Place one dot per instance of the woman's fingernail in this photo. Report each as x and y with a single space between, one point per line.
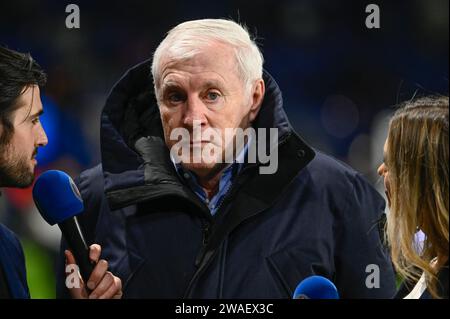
90 285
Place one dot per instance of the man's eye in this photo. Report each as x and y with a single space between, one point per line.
212 96
175 98
35 121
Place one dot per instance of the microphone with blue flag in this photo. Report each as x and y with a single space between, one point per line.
59 202
316 287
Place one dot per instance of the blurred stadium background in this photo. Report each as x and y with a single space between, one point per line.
340 80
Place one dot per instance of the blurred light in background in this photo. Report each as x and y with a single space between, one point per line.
359 152
340 116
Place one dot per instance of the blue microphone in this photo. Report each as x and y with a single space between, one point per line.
59 201
316 287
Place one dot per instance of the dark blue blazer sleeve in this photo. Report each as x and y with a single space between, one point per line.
13 263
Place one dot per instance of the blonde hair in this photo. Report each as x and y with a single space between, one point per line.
417 160
186 39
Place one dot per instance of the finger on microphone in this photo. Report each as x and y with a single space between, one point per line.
114 291
95 252
97 274
119 292
104 285
76 293
70 259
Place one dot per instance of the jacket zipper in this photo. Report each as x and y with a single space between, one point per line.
206 228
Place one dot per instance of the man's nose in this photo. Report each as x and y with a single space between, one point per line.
194 111
42 138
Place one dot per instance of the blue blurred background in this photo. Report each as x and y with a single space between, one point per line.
339 79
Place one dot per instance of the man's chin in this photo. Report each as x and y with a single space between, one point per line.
201 169
17 180
24 181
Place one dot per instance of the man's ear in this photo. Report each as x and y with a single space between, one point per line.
257 97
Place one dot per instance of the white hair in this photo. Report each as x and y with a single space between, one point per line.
185 40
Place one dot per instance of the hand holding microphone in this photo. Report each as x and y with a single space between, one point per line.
101 284
59 202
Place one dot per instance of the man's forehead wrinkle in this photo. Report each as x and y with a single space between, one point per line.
190 65
177 80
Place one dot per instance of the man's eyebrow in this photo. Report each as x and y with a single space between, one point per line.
169 85
212 83
207 84
37 114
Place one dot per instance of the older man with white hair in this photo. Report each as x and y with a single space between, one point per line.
206 191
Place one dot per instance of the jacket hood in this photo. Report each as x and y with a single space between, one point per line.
134 154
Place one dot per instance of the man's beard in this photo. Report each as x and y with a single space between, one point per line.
15 170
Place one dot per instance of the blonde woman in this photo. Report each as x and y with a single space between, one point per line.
416 179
